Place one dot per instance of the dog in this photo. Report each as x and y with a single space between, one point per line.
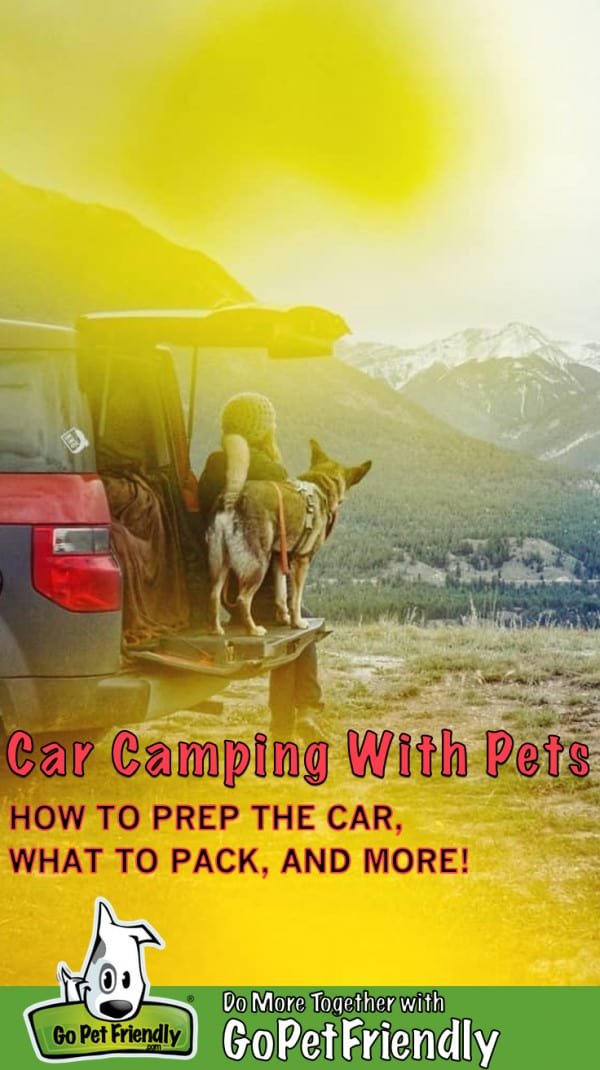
113 982
243 536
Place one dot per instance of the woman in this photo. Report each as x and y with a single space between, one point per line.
250 451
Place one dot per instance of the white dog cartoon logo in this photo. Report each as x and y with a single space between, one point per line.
112 983
106 1010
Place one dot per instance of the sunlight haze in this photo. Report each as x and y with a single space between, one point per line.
419 167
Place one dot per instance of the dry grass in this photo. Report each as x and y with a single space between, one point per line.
535 841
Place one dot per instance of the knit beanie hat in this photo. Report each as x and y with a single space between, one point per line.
250 415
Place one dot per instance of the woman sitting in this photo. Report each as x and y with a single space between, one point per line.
250 451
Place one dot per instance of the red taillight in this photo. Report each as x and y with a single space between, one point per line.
75 568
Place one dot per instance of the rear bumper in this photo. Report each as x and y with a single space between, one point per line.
68 703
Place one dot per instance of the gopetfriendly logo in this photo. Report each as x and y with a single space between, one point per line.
103 1011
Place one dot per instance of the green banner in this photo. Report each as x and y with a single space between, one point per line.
61 1031
502 1028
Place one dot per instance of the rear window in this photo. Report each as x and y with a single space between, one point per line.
44 421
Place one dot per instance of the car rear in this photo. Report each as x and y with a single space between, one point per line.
91 421
60 585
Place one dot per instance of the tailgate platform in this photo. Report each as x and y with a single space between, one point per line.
234 654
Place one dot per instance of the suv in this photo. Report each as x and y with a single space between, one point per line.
97 513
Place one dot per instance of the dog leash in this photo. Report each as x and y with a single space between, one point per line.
283 549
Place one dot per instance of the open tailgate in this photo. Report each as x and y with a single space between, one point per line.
234 655
300 331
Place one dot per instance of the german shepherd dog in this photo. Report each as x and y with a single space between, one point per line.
243 535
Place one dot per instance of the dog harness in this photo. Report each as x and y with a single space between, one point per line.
312 493
308 492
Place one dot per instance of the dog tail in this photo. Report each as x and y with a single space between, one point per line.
216 542
237 463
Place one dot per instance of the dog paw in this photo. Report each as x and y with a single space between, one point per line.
300 623
217 629
257 630
282 616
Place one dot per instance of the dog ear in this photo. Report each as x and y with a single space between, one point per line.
354 475
64 974
317 455
145 935
72 985
105 917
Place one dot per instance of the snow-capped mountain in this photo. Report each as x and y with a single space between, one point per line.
514 387
587 353
397 366
531 404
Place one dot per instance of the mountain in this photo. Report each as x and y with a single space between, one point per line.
533 405
582 352
515 341
513 387
59 258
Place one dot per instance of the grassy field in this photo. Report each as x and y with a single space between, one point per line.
524 913
533 843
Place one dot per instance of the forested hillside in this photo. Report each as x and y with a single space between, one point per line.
59 258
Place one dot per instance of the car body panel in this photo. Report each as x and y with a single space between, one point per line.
52 498
46 640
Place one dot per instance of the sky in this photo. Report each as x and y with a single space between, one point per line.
419 166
